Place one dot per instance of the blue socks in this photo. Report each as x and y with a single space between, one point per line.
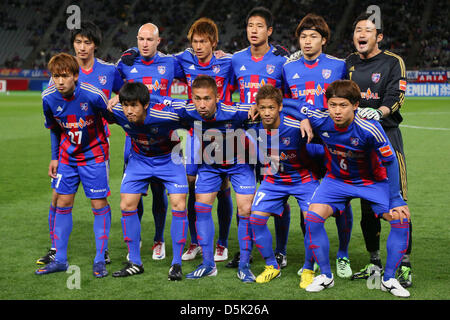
396 246
245 240
102 226
344 224
178 232
316 240
263 239
51 224
62 230
205 231
131 227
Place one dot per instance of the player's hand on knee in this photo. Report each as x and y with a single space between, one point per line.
370 113
400 213
128 56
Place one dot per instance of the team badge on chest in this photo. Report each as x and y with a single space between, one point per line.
162 69
102 80
376 77
270 68
326 73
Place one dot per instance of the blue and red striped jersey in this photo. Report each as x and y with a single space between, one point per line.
251 73
295 164
157 74
308 80
103 76
354 154
218 68
83 134
156 136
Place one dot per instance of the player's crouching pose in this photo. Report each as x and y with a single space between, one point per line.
73 113
360 164
151 159
292 177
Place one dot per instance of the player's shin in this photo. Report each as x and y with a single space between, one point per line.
224 214
396 246
51 224
159 208
245 240
319 244
131 228
102 226
62 231
282 224
344 224
178 233
263 238
205 231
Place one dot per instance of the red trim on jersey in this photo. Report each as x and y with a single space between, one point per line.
86 72
147 63
257 59
311 66
340 129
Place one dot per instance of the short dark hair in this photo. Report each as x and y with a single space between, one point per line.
263 13
368 16
313 21
134 91
204 81
268 91
346 89
89 30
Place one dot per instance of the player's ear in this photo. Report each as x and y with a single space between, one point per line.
75 77
280 107
356 105
146 106
379 37
269 31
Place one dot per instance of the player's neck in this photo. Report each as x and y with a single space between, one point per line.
312 58
370 54
86 64
274 125
205 60
259 51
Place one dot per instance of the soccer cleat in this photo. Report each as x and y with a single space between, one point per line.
245 274
281 259
99 269
192 252
343 269
49 257
202 271
221 253
107 257
52 267
364 273
269 273
175 273
316 269
234 263
404 275
159 251
394 287
307 277
320 282
130 269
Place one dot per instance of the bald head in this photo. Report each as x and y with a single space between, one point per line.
148 40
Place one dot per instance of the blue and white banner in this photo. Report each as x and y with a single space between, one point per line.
428 90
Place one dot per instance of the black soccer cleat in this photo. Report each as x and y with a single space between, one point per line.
49 257
175 273
234 263
130 269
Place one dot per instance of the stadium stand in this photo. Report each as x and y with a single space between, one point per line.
33 30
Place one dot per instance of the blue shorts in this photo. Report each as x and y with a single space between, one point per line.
271 197
209 178
337 194
141 171
94 178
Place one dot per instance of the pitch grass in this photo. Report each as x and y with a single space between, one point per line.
25 198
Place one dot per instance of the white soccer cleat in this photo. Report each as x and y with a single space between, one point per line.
159 251
394 287
320 282
343 269
191 252
221 253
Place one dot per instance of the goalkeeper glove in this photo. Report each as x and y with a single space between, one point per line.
280 51
370 113
128 56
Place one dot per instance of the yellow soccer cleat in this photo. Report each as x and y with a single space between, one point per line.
269 273
307 278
